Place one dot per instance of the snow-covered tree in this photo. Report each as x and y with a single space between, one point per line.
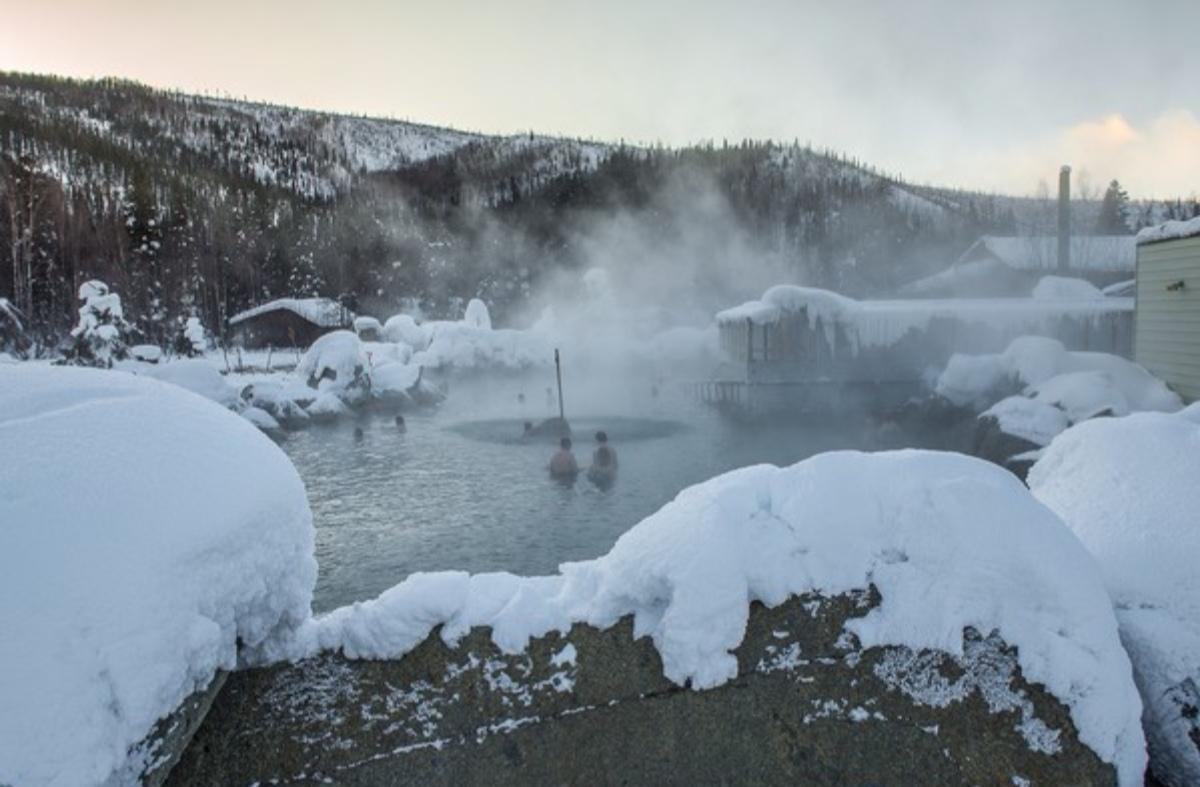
102 334
192 339
1114 211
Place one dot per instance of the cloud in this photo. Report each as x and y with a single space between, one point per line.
1159 158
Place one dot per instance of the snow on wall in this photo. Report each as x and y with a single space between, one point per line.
1128 489
1170 230
949 541
882 323
320 311
144 532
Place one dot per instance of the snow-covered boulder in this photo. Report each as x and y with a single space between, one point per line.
949 542
146 353
262 419
328 406
144 533
283 400
1058 287
1128 488
460 346
337 363
1029 419
395 381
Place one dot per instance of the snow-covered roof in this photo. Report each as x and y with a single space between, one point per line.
884 322
325 312
1040 252
1170 230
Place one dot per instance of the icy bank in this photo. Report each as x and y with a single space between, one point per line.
1058 387
144 533
950 542
1128 489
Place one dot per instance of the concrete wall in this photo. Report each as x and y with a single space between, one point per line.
1167 322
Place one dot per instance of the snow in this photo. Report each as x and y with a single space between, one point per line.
477 315
949 541
1032 361
367 324
324 312
403 328
1051 287
145 532
261 418
335 362
1121 289
461 346
194 332
150 353
1127 488
882 323
196 375
1028 419
1170 230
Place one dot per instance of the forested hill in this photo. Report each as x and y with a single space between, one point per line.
194 205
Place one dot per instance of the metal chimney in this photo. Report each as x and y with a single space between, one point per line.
1064 220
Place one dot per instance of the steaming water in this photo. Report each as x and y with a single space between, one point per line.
457 492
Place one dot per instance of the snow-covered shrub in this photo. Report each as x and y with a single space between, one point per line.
1128 488
102 334
181 534
192 339
477 315
146 353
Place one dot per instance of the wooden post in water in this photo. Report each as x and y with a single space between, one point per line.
558 375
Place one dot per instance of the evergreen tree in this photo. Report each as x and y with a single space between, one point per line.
1114 211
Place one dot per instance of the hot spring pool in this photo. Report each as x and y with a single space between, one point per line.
457 492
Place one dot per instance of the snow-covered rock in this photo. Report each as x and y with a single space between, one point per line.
1050 287
147 353
949 541
283 400
1128 489
144 533
261 418
327 406
336 362
395 381
1027 419
457 345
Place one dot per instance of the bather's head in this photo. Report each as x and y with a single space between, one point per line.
565 443
602 437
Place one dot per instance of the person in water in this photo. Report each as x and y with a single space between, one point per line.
604 459
358 433
400 425
563 464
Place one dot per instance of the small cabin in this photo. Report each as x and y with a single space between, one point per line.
804 348
1167 320
288 322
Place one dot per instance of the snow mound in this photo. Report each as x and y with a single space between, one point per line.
196 375
949 541
337 363
1170 230
403 328
144 533
367 325
148 353
1049 287
1032 361
461 346
1128 489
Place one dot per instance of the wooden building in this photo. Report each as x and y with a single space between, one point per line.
1167 321
288 322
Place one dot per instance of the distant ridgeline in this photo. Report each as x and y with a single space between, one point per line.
198 206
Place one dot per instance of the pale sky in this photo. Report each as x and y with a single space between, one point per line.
991 95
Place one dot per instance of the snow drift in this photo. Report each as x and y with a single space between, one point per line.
144 533
949 542
1128 489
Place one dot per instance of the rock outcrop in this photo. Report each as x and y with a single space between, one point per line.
808 706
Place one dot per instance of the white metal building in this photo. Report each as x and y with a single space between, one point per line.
1167 317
